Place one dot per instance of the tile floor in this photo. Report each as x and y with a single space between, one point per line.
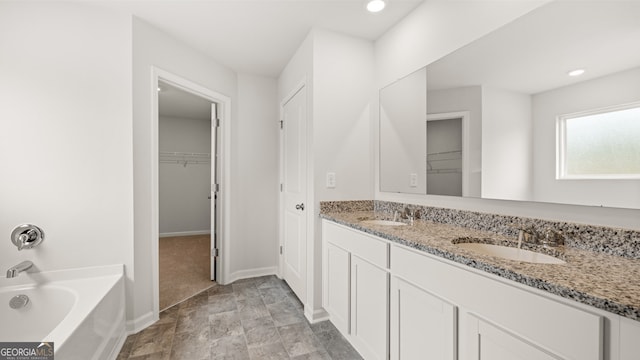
258 318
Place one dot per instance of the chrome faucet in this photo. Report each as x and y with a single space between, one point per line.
407 214
16 270
553 238
526 234
530 235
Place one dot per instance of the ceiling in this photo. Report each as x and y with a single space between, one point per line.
534 53
260 36
177 103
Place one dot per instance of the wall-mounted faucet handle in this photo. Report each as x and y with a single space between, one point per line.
27 236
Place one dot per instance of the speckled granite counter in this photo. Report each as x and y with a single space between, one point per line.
607 282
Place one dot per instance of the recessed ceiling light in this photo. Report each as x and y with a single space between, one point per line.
159 88
576 72
375 6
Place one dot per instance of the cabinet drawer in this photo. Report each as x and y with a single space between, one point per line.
365 246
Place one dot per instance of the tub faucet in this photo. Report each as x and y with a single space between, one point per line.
16 270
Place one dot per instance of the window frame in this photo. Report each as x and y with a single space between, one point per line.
561 142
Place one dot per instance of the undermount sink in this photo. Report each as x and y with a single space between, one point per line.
510 253
383 222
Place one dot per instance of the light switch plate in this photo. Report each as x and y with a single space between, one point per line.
331 180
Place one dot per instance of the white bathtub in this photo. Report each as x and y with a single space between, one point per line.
80 310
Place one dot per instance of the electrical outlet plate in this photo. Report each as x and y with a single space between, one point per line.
331 180
413 180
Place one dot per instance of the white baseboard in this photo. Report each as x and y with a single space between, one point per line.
118 347
249 273
141 323
315 316
185 233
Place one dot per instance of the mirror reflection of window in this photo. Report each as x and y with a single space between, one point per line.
600 144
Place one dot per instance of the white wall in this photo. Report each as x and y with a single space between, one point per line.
432 31
507 145
403 116
616 89
65 134
249 96
151 47
184 206
343 69
437 28
339 75
255 169
343 78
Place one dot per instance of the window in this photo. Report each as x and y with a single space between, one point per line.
600 144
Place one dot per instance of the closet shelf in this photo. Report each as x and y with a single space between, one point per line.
184 158
444 171
445 155
450 162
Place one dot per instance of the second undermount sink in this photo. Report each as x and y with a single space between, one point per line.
511 253
383 222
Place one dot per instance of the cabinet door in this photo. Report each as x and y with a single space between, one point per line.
490 342
337 287
422 325
369 301
629 339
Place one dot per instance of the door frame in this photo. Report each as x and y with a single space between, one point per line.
281 207
223 216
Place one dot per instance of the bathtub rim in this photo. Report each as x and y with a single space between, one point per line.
86 300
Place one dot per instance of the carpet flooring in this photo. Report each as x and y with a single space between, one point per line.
185 268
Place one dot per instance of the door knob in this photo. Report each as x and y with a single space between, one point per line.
300 207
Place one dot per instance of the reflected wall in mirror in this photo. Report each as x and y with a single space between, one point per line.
514 84
403 115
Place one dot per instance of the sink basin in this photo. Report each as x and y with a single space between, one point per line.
511 253
383 222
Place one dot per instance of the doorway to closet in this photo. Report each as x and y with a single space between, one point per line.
187 201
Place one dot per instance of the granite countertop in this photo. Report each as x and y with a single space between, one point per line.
607 282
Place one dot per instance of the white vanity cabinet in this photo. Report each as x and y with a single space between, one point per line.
392 301
492 343
629 339
336 289
422 326
356 287
499 321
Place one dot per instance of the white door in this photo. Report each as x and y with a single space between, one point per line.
295 207
213 195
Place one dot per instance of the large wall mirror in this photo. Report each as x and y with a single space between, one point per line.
491 119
